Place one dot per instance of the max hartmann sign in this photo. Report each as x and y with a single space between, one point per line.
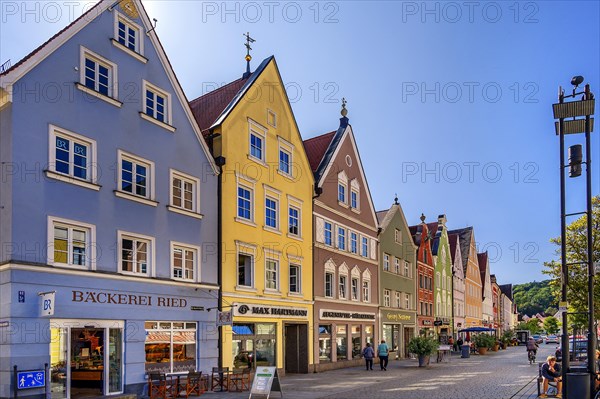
249 309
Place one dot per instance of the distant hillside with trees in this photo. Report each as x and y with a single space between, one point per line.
535 297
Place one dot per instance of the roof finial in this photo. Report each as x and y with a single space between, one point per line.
423 218
344 118
248 56
396 199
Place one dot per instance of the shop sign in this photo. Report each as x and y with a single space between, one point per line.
341 315
426 322
112 298
265 381
47 303
397 317
249 309
437 323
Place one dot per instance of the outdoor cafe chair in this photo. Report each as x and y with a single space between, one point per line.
160 386
240 380
194 384
219 378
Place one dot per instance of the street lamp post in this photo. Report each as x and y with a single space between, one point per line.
562 111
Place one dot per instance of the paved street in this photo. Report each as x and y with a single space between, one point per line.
504 374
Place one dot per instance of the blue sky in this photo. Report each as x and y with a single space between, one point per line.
450 101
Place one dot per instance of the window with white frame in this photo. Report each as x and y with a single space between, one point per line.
341 239
257 141
71 243
386 262
245 202
184 261
245 268
398 302
156 103
386 298
72 154
354 289
271 210
396 265
353 242
342 286
329 284
271 274
135 175
295 278
294 221
136 253
285 157
365 247
184 192
366 290
398 236
354 195
97 73
328 233
127 33
407 269
342 188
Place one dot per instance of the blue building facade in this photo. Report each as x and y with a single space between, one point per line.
108 213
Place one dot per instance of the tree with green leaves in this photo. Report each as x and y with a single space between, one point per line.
576 251
551 325
535 297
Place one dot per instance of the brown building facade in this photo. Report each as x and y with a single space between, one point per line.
345 251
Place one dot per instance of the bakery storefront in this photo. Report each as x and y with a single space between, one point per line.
99 341
397 328
342 334
268 335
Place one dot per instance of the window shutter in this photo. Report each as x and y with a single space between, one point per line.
320 230
373 249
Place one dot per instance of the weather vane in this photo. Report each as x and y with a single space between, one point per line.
248 48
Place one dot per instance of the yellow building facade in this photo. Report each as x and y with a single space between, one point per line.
266 239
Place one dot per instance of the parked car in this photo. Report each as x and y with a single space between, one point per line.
538 338
552 339
577 354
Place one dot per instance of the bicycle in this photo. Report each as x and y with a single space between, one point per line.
531 356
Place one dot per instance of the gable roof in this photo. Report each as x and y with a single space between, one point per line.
207 108
506 289
453 240
381 216
385 217
21 68
316 147
464 236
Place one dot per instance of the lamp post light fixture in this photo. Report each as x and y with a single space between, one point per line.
581 112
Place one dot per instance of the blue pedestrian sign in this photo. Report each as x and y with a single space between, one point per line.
31 379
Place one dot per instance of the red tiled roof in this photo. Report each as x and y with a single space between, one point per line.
37 50
207 108
315 148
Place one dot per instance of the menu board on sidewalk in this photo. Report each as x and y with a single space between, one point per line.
265 381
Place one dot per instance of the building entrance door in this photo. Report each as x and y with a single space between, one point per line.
87 361
296 348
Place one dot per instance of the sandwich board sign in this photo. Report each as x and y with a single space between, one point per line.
265 381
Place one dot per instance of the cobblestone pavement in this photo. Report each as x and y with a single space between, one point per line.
505 374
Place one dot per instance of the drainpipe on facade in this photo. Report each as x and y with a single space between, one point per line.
318 192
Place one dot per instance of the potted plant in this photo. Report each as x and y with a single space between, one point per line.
423 347
483 342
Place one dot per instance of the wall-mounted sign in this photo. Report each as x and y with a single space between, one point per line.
398 317
224 318
113 298
250 309
47 304
327 314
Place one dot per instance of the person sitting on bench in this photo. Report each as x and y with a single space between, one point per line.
551 373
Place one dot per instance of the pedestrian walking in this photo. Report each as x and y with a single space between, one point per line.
368 354
459 343
383 353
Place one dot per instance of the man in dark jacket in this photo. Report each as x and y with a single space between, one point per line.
551 373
